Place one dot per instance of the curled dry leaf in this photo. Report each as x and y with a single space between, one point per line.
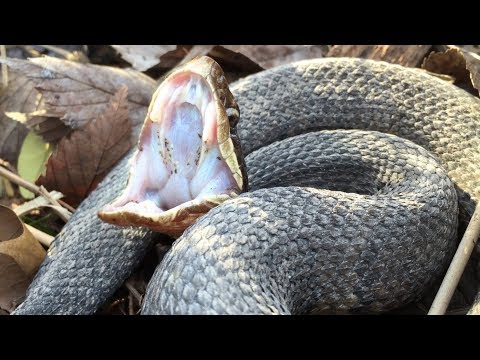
268 56
13 284
76 93
20 256
16 241
450 62
462 65
143 57
473 65
81 160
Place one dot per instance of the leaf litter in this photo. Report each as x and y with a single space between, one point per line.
82 159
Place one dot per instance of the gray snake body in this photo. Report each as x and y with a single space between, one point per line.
336 220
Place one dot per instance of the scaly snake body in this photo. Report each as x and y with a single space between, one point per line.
336 220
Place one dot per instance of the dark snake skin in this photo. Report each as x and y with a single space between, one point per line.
381 229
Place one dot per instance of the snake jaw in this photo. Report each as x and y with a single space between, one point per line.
189 157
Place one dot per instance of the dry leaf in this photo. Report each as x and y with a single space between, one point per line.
51 129
20 96
143 57
77 93
268 56
473 65
406 55
16 241
450 62
462 65
196 50
81 160
13 284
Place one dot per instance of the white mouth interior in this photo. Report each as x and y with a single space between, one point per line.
179 159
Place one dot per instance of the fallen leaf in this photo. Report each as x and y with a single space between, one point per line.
473 65
20 96
20 256
462 65
82 159
76 93
17 107
196 50
406 55
38 202
13 284
451 62
16 241
6 188
268 56
143 57
31 160
51 129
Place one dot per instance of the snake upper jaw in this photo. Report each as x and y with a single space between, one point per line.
189 157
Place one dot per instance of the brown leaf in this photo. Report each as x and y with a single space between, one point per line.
406 55
143 57
76 93
462 65
81 160
16 241
196 50
450 62
13 284
473 65
268 56
20 96
51 129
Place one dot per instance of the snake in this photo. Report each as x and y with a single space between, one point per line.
360 176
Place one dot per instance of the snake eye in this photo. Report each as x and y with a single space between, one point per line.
221 96
233 116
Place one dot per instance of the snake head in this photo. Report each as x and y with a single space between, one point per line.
189 157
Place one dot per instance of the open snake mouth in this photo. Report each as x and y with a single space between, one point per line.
189 157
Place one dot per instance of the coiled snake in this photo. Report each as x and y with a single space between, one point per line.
347 210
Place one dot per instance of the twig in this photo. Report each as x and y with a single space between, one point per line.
53 201
42 237
133 291
463 311
3 55
457 266
9 166
131 310
29 186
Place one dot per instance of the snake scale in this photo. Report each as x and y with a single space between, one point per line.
350 207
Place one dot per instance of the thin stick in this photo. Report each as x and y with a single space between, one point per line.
133 291
3 55
42 238
47 195
457 266
131 311
9 166
29 186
